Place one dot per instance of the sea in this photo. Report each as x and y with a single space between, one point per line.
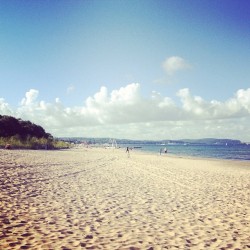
230 152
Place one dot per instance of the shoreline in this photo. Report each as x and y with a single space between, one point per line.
204 151
175 156
138 150
96 198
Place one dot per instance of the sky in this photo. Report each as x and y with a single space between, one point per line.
134 69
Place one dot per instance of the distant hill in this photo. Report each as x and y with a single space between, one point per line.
213 141
10 126
205 141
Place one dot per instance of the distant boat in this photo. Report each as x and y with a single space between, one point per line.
113 143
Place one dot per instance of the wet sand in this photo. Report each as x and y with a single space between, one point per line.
90 198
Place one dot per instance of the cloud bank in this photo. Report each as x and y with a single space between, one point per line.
126 113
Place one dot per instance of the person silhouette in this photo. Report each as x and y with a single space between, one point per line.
127 151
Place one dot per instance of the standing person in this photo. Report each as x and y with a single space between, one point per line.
165 150
127 151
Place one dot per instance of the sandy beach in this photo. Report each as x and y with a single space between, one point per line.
93 198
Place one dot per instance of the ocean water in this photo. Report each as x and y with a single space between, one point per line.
233 152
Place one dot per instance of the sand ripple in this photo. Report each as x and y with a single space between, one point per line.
100 199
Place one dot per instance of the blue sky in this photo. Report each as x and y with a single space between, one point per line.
94 68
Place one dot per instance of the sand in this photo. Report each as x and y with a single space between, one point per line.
90 198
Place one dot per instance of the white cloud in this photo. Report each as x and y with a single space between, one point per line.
126 113
70 89
4 107
30 97
175 63
197 108
243 97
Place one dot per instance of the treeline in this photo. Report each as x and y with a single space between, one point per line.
10 126
17 133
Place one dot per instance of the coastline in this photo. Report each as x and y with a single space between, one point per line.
95 198
240 163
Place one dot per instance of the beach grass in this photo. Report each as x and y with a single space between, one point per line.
16 142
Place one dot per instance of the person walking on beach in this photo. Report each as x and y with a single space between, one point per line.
127 151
